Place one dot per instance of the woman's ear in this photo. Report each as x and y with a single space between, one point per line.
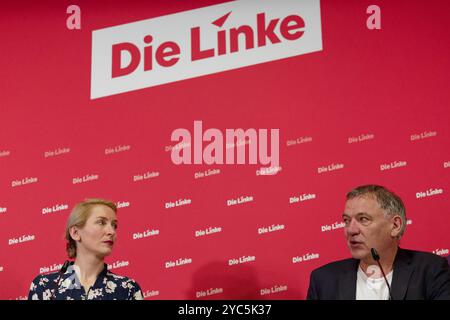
397 224
75 233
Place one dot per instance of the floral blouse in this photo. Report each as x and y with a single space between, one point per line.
67 286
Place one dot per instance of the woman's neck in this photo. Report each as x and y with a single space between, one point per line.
88 268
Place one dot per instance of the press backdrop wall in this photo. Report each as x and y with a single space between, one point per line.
370 106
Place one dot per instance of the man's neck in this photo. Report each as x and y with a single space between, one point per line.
387 258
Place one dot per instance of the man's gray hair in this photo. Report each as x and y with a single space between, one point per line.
388 201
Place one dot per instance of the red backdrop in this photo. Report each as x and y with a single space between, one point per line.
388 87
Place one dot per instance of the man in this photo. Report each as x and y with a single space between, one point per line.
375 217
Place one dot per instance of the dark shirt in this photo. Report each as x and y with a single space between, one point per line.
108 286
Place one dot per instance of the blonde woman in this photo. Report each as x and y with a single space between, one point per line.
90 234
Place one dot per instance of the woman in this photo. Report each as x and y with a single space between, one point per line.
90 234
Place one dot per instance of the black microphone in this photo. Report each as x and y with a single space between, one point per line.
376 257
61 271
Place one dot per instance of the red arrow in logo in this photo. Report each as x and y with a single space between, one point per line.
219 22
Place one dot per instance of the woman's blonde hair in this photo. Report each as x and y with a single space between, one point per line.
78 217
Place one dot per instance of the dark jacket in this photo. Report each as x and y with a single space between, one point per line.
417 275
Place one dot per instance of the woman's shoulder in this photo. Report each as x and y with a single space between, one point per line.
123 280
127 284
42 285
43 279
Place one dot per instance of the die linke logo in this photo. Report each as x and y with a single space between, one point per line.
203 41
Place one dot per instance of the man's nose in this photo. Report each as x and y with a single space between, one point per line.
353 227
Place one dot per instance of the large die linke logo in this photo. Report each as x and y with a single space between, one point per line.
199 42
167 54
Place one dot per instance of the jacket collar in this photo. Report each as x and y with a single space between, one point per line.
402 273
400 279
347 281
70 279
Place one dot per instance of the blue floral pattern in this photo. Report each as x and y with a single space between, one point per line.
108 286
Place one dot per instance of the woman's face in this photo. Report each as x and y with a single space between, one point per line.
98 234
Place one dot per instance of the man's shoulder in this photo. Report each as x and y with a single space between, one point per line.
337 266
421 257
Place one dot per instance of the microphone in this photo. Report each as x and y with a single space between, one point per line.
61 271
376 257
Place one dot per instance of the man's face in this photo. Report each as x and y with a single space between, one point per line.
366 227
